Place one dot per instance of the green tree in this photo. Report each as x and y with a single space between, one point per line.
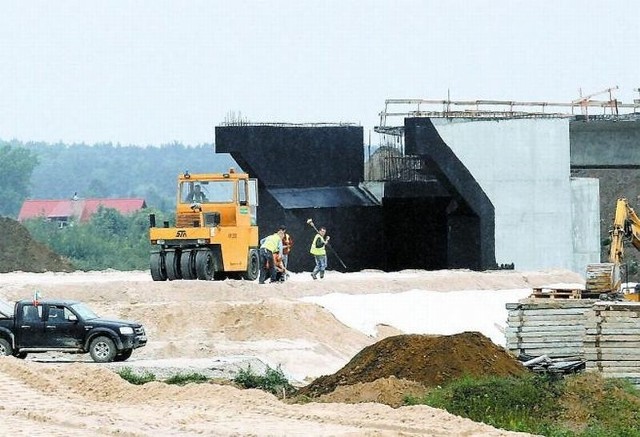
97 188
16 167
108 241
110 222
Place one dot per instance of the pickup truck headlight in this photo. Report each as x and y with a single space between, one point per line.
126 330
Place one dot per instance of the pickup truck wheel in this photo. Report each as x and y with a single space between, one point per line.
124 356
5 347
102 349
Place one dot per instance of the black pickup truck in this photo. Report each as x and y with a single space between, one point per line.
66 326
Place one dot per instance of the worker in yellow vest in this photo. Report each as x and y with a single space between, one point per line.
268 246
319 252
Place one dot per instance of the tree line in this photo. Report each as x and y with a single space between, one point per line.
109 240
37 170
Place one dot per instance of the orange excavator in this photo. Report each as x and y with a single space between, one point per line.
606 278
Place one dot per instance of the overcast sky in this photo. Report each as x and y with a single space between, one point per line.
151 72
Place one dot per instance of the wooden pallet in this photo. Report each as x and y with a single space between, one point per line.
562 293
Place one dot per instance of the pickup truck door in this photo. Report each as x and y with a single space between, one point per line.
30 326
60 332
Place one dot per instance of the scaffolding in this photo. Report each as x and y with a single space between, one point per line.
503 109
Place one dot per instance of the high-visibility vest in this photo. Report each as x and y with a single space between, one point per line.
272 243
317 251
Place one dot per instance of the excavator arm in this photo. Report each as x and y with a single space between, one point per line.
606 277
626 227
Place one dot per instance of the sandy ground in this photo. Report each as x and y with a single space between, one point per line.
309 328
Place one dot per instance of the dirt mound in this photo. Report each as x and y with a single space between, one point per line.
429 360
20 252
389 391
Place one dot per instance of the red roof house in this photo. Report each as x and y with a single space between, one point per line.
80 210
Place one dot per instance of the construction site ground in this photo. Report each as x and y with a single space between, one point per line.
348 342
216 327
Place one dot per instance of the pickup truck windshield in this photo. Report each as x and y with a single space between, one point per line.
6 310
84 311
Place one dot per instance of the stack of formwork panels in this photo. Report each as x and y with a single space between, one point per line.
551 327
612 340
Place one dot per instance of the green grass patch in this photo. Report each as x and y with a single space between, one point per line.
136 378
273 380
583 405
186 378
515 403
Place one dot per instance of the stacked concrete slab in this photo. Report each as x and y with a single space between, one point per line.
604 334
612 340
555 327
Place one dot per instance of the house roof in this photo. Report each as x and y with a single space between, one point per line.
123 206
81 209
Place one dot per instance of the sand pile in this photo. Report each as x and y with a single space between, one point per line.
389 391
200 326
41 399
425 359
21 253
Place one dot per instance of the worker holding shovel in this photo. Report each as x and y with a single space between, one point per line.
319 252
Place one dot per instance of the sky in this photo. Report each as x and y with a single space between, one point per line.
154 72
